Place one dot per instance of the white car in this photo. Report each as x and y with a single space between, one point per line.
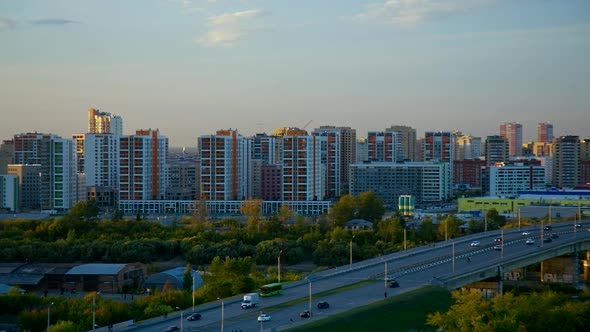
529 241
526 233
264 318
475 244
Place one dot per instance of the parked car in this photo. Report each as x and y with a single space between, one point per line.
194 316
264 318
475 244
323 305
498 247
393 284
305 314
172 328
529 241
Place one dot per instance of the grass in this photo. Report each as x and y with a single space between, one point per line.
404 312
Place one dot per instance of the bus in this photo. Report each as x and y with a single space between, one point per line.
271 289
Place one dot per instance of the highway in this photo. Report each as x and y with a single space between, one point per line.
414 269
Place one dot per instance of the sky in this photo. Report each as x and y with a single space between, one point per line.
191 67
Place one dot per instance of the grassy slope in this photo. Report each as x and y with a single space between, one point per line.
405 312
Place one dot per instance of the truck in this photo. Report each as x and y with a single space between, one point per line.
250 300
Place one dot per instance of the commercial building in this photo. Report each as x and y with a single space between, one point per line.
508 179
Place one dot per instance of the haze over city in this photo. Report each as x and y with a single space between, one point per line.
192 67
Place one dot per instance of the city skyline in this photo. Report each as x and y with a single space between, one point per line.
189 68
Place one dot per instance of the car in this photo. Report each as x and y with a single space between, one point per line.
323 305
264 318
194 316
475 244
393 284
547 228
547 239
554 235
305 314
498 247
529 241
172 328
526 233
498 240
578 225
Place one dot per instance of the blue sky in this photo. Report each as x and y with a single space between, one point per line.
192 67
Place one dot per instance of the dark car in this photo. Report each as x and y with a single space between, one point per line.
547 228
554 235
547 239
393 284
323 305
498 240
305 314
194 316
172 328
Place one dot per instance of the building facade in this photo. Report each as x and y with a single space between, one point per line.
104 122
408 141
9 193
303 168
512 131
142 171
544 132
507 179
384 146
566 162
496 149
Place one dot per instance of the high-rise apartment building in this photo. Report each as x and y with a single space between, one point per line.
362 150
102 168
496 149
467 173
566 161
512 131
225 166
385 146
6 155
340 154
104 122
408 141
9 192
440 146
79 143
303 161
545 132
266 148
142 171
467 147
57 159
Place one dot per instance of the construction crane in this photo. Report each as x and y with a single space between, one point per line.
307 124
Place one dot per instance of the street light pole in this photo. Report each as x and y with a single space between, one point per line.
193 291
181 318
310 298
453 255
279 266
94 311
405 244
222 312
49 315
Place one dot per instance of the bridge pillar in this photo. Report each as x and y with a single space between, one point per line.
586 267
500 280
576 263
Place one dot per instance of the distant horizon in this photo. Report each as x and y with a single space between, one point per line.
191 67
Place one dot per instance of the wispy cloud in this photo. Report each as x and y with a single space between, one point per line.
407 13
6 23
53 21
226 29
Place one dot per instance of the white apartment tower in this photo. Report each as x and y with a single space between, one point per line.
104 122
102 160
303 162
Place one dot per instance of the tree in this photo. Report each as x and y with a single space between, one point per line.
84 210
449 228
187 278
342 211
427 231
370 207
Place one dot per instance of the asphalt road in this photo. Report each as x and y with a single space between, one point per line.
413 269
